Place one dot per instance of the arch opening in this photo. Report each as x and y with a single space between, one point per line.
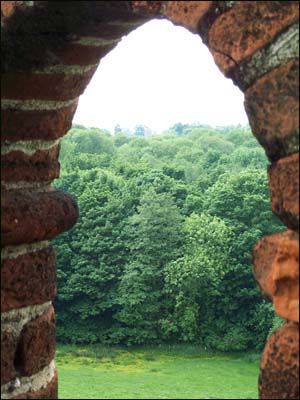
42 79
136 184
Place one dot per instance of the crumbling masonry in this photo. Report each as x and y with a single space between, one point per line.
50 51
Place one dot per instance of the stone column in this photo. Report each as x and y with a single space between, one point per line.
256 44
51 51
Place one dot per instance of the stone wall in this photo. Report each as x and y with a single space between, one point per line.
50 51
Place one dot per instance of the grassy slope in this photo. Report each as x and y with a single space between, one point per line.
95 372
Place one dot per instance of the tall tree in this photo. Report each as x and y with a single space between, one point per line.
155 240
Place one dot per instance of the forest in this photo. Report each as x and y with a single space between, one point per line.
161 252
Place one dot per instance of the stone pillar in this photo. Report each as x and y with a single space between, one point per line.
256 44
43 76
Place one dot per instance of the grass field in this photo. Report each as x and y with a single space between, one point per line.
174 372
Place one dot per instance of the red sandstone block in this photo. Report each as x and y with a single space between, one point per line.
8 349
36 347
276 269
113 31
28 279
76 54
49 392
41 166
187 13
284 189
49 86
29 217
248 26
26 172
272 106
279 369
39 124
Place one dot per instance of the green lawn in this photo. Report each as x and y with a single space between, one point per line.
177 372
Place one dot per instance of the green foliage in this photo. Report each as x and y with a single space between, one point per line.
161 251
194 280
155 240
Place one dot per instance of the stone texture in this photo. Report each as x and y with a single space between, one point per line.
248 26
272 106
41 166
187 13
284 189
26 46
77 54
29 217
44 86
49 392
36 348
111 31
36 124
28 279
8 349
279 369
284 48
276 269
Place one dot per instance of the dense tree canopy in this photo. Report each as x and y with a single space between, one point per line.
161 251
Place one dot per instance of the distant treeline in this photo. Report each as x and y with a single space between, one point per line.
161 251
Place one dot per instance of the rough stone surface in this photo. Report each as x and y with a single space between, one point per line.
8 349
28 279
111 31
284 189
187 13
272 106
279 369
36 348
76 54
49 392
29 217
46 86
284 48
41 166
248 26
26 46
276 269
39 124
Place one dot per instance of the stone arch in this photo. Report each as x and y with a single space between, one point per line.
50 52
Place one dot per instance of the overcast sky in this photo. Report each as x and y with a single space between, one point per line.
158 75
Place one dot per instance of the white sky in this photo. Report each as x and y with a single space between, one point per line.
158 75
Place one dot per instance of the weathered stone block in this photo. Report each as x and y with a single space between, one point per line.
279 369
28 279
8 350
37 124
42 165
36 348
29 217
187 13
284 189
45 86
77 54
248 26
276 268
272 106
